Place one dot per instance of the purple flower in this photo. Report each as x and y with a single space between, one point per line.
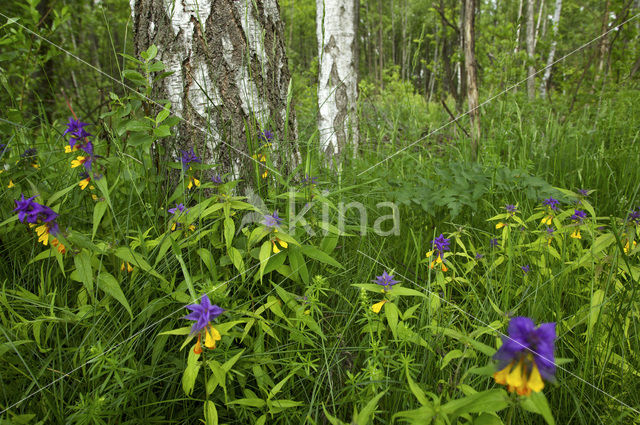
272 220
493 242
551 203
550 231
525 268
511 209
309 181
479 256
385 280
33 211
189 157
29 153
202 313
178 208
24 207
217 179
634 216
77 131
583 192
526 347
266 136
3 148
441 243
578 215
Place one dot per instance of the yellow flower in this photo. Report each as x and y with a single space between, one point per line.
61 248
378 306
10 184
547 220
43 234
69 149
576 234
500 225
628 248
516 378
35 165
94 197
193 182
84 183
282 243
264 175
129 267
78 161
211 336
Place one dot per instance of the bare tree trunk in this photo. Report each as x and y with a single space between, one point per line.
604 41
531 48
230 74
337 79
380 45
535 37
472 77
434 71
552 51
518 26
462 75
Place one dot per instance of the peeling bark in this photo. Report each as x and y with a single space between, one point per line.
230 74
531 49
552 50
472 75
338 77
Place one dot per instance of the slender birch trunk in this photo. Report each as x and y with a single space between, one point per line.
472 76
230 74
338 78
518 26
552 51
531 48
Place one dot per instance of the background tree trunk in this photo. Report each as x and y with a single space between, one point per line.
338 77
552 50
531 48
472 76
230 74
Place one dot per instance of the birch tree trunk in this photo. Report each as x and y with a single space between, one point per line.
338 77
518 26
472 75
230 75
552 50
531 48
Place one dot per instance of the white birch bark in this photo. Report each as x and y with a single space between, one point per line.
337 77
552 50
531 48
230 72
518 26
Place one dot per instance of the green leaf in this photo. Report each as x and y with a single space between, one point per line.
249 402
151 53
487 419
485 401
229 230
331 418
401 290
323 257
191 372
236 259
164 113
60 194
265 252
207 259
365 416
101 184
180 331
416 390
537 403
98 212
110 286
298 264
82 262
210 413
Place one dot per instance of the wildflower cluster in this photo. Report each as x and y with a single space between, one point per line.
526 357
273 222
187 158
42 218
203 314
265 139
386 281
176 213
440 245
79 141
